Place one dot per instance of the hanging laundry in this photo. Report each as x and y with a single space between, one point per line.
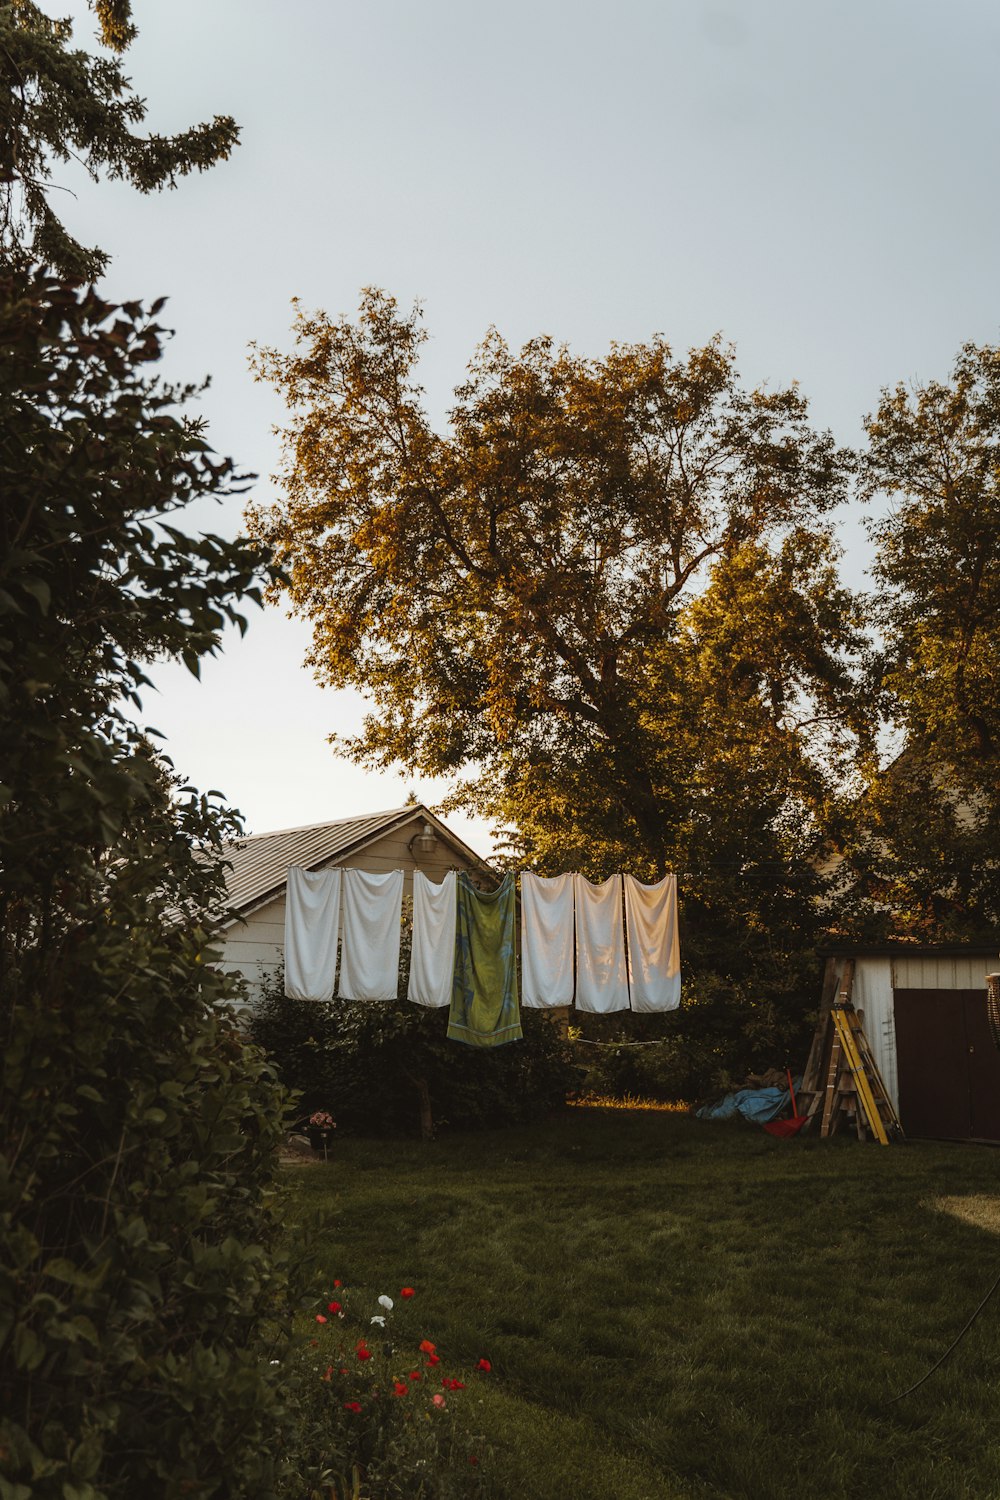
546 940
432 959
601 975
654 967
369 962
484 993
312 918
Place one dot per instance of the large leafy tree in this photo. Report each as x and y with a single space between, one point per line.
604 594
550 590
59 102
934 813
138 1216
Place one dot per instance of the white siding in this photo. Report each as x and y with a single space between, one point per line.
873 999
871 996
942 973
255 947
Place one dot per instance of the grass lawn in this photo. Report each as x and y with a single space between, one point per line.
681 1308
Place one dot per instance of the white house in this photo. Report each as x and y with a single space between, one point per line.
404 838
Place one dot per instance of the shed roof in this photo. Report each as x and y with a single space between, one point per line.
259 863
990 943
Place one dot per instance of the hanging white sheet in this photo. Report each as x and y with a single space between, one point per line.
369 959
546 940
654 966
432 960
601 977
312 918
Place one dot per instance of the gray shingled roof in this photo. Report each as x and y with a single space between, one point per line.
260 863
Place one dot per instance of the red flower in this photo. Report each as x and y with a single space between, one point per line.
400 1387
426 1347
352 1405
344 1370
338 1283
406 1291
433 1359
320 1318
484 1364
473 1460
416 1375
363 1351
328 1372
333 1307
452 1385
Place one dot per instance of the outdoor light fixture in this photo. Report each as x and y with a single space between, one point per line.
423 844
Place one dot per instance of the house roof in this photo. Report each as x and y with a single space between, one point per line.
259 863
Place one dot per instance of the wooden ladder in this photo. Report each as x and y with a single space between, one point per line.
842 1081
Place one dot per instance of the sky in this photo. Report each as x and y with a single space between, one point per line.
815 181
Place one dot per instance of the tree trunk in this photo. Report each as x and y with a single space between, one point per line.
426 1113
636 786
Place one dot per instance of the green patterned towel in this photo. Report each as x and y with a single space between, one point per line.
484 1009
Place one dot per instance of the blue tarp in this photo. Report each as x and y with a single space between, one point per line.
757 1105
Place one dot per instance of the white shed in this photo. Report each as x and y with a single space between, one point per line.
404 838
924 1014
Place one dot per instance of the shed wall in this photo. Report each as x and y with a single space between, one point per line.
930 972
876 981
871 995
873 998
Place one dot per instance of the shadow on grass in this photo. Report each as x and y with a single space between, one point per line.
682 1308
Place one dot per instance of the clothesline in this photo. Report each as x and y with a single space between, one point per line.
586 1041
604 947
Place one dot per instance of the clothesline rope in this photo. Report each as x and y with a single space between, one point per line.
586 1041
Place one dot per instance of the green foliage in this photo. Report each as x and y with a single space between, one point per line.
679 1308
629 1068
58 103
370 1399
514 593
138 1206
724 1030
607 595
924 859
935 450
387 1068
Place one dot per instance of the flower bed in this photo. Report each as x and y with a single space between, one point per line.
383 1404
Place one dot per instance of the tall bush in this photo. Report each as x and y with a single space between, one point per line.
138 1222
390 1068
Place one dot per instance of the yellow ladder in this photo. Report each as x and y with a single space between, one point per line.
870 1090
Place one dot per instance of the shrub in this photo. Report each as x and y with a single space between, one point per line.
139 1215
726 1028
390 1068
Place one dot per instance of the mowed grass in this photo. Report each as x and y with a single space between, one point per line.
680 1308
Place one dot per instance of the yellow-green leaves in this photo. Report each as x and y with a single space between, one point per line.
513 590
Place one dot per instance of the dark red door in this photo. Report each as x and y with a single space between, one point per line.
948 1067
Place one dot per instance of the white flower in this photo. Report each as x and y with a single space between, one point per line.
379 1321
385 1302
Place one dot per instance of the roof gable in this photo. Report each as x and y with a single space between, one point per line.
260 862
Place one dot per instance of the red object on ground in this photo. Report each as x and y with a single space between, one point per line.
784 1128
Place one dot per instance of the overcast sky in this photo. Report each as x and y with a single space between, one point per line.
816 181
